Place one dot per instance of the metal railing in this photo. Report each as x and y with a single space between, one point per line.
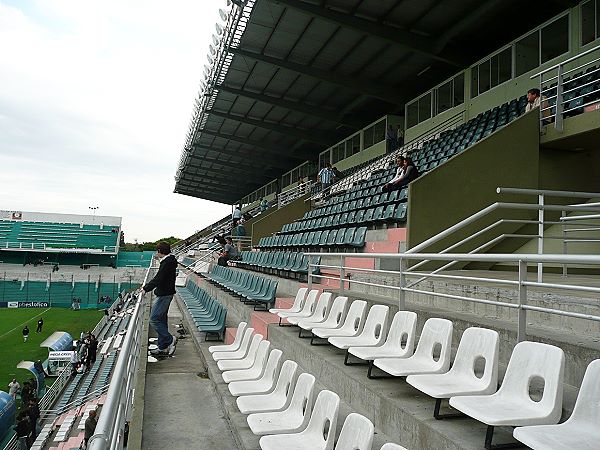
541 206
287 197
50 414
381 163
558 99
520 285
109 433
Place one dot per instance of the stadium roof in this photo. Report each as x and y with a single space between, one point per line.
289 78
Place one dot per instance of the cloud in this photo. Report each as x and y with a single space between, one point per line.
95 101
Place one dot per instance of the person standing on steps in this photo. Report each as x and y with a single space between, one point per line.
163 284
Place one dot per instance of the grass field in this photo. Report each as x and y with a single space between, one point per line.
12 348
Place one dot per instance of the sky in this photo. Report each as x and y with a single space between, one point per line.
96 98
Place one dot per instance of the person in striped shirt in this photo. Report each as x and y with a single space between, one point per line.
326 176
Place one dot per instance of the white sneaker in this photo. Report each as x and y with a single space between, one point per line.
171 348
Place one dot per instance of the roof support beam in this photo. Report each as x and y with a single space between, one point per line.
256 174
275 161
258 145
364 87
410 41
319 138
233 165
310 110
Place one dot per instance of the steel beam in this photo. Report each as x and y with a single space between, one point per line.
318 137
268 160
397 36
363 87
310 110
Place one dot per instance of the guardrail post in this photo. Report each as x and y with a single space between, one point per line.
558 117
540 266
522 314
342 274
564 233
310 270
401 293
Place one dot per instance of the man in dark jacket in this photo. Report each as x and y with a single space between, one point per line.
90 426
164 288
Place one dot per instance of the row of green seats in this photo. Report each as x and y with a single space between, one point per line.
252 289
208 314
280 263
343 238
373 215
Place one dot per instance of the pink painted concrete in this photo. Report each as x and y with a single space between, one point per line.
230 335
260 322
360 263
382 247
284 302
396 234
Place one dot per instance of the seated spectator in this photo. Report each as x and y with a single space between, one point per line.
264 204
399 172
533 99
229 253
408 173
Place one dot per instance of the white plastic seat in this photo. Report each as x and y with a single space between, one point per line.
245 362
391 446
278 398
308 306
256 369
402 329
318 435
263 384
357 433
293 418
318 312
296 306
580 431
334 317
352 323
235 345
436 334
240 352
512 404
372 333
475 344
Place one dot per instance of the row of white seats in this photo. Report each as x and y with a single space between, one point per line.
280 400
42 438
471 385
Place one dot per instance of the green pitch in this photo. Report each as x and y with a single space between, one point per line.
12 348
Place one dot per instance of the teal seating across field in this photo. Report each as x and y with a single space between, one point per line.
208 314
252 289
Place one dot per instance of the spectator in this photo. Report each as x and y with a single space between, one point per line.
25 333
390 139
33 411
40 324
236 215
325 176
39 367
13 388
92 350
337 175
90 426
74 362
533 99
25 393
23 428
163 284
264 204
229 253
240 229
408 173
399 173
399 137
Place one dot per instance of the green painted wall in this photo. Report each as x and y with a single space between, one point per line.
467 183
267 224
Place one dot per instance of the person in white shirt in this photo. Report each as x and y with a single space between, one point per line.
533 99
236 215
13 388
398 176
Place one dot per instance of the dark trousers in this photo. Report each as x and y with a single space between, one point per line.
393 187
222 261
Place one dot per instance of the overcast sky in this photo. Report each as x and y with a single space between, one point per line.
95 102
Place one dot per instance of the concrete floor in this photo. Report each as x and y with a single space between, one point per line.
182 410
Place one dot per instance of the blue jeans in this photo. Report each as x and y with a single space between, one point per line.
158 320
